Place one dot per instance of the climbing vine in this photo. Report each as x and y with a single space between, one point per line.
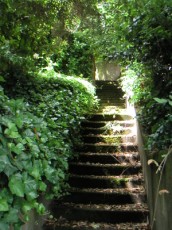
38 134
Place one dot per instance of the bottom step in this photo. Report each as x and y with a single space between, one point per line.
102 213
63 224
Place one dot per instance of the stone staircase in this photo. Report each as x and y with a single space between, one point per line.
107 188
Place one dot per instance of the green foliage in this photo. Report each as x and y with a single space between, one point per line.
33 31
137 83
153 113
74 57
20 39
158 127
137 34
37 138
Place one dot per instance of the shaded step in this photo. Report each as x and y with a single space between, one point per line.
109 138
63 224
104 169
101 213
105 196
107 158
120 102
109 117
111 148
109 88
107 125
82 181
104 130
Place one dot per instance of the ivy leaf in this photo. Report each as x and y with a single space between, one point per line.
3 151
16 185
4 226
50 173
35 171
32 195
160 100
19 122
170 102
2 79
18 149
3 162
10 170
29 134
3 140
27 164
12 216
30 187
27 206
40 208
6 166
7 194
3 205
12 131
42 186
35 149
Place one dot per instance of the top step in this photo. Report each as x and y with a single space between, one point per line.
110 93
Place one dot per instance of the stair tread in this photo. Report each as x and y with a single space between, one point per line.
142 207
113 121
129 154
139 190
126 144
104 129
107 158
128 178
64 224
119 165
112 112
108 135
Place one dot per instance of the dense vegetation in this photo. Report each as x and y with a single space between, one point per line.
138 35
41 108
38 136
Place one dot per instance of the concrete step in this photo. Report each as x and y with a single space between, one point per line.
110 117
63 224
125 181
104 131
119 104
91 138
109 158
109 101
79 168
101 213
108 148
107 125
106 196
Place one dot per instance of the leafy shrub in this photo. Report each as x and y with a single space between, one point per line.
74 57
154 113
38 133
